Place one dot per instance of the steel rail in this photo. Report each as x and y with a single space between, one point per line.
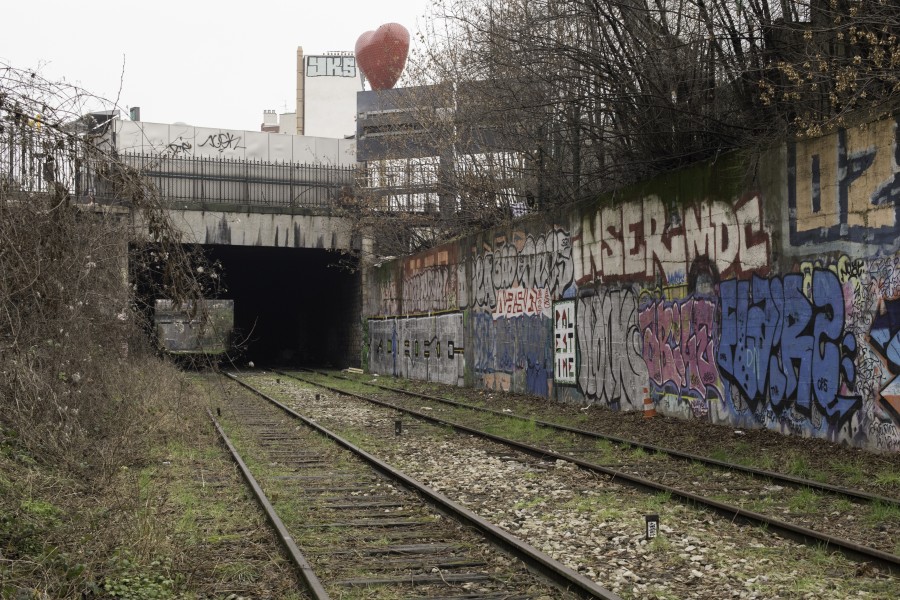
562 575
797 532
763 473
305 569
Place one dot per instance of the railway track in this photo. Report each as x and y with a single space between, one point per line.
814 513
357 528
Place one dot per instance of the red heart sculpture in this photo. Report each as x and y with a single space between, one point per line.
381 55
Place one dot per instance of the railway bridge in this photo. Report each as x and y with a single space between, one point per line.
288 256
286 247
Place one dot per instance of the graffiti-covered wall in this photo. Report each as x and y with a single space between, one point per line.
754 291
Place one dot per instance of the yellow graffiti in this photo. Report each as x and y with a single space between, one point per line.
822 154
847 270
663 292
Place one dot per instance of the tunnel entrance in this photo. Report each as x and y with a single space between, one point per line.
292 306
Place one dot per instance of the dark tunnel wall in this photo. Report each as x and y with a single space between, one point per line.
292 306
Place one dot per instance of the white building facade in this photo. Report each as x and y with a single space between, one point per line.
326 94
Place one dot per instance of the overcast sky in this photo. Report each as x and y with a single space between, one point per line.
206 63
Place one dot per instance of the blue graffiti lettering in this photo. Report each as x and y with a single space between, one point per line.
884 336
780 347
519 345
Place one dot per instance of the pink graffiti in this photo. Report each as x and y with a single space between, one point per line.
522 301
678 343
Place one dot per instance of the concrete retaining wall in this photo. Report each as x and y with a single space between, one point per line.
750 291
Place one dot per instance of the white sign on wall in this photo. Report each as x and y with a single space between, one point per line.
564 342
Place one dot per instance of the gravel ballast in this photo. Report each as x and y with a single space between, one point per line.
594 525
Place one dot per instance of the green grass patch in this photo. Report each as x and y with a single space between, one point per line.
766 462
805 500
41 510
720 454
660 544
844 505
851 473
639 453
530 503
808 584
657 501
601 507
760 505
607 450
697 468
742 448
820 555
518 429
800 467
881 513
888 477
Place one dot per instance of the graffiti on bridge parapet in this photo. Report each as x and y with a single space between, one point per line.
222 141
178 148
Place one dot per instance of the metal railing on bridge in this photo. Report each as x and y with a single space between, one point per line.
204 181
29 164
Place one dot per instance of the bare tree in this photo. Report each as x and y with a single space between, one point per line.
551 101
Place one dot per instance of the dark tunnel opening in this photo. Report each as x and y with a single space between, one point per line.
292 306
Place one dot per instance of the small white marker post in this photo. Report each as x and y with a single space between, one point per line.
652 522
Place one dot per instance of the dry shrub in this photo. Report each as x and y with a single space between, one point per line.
80 385
72 353
84 396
